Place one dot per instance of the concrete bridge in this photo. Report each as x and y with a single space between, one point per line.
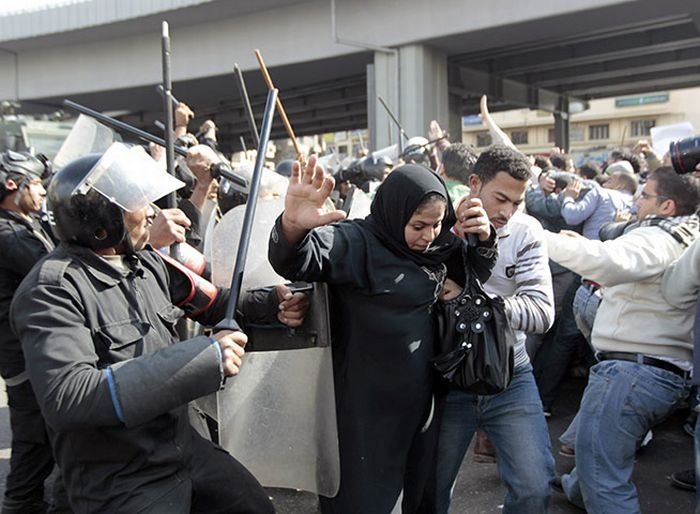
332 59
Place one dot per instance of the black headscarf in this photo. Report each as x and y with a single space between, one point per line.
394 204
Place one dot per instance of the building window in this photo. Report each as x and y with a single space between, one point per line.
577 133
483 139
642 127
599 132
519 137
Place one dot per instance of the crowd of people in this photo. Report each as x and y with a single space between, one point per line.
596 266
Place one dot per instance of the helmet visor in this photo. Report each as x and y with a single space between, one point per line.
129 178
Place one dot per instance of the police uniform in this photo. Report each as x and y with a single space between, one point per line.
22 243
113 387
98 333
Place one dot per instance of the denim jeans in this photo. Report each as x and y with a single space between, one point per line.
515 424
622 401
585 306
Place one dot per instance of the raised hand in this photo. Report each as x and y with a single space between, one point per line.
307 193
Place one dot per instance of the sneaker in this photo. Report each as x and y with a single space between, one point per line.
567 451
684 479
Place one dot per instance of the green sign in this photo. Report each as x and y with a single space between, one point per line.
641 100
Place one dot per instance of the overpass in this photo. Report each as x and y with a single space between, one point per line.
331 59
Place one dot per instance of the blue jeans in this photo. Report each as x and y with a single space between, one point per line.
622 401
515 424
585 306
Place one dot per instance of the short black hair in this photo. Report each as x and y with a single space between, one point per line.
589 171
634 161
499 158
684 190
543 162
558 160
458 162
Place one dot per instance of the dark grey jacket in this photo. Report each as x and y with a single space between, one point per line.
111 385
22 243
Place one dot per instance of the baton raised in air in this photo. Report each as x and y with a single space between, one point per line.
120 126
167 86
161 92
246 105
280 107
229 323
393 117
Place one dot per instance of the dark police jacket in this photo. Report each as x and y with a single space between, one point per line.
111 384
22 243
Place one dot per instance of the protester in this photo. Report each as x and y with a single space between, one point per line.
643 343
680 287
457 164
513 419
23 242
385 273
96 320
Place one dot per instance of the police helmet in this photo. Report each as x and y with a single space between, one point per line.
19 164
87 199
416 151
284 167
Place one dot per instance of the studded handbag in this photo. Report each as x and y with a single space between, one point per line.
475 341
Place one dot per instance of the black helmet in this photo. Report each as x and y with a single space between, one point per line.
284 167
89 219
87 199
20 163
14 165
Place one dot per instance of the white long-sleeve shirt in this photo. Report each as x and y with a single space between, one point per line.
522 277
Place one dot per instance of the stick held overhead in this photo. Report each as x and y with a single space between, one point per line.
280 107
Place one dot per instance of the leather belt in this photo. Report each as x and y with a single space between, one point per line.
642 359
590 285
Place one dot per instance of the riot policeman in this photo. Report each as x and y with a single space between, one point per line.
22 243
96 320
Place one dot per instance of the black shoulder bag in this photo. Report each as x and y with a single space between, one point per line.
475 341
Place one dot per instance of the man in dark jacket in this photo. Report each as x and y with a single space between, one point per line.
96 320
22 243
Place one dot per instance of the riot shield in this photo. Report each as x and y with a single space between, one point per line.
360 205
277 417
87 136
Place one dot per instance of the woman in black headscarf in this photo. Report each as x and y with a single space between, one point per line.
384 275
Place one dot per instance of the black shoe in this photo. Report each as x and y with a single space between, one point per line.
556 484
684 479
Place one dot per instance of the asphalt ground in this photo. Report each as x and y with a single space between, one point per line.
479 490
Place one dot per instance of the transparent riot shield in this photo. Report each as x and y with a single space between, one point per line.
360 206
277 417
87 136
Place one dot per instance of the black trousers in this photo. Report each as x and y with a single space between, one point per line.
222 484
562 343
32 461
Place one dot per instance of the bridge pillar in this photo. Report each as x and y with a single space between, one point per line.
413 83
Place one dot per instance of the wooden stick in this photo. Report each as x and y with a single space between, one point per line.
280 107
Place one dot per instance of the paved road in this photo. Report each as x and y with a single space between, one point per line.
479 491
